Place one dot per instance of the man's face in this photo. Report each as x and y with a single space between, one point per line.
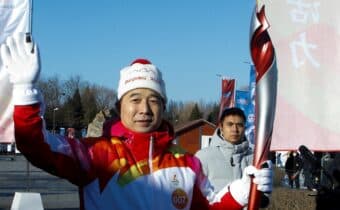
232 128
141 110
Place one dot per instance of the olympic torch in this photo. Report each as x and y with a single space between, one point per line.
263 57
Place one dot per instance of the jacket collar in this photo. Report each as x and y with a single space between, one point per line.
161 137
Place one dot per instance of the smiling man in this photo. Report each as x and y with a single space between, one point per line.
141 96
135 167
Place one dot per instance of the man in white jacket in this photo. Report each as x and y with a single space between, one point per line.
224 160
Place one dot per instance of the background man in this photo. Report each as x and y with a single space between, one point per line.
228 154
293 169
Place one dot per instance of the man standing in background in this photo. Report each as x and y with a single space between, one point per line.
224 160
293 168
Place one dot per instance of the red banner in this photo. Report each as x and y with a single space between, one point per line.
228 95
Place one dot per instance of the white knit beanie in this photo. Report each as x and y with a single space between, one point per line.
141 74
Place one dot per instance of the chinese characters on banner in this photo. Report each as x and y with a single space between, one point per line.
306 36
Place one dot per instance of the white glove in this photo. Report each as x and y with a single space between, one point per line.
263 177
20 58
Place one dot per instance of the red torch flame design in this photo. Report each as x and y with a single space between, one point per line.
263 56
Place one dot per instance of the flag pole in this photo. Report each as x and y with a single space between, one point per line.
30 21
263 56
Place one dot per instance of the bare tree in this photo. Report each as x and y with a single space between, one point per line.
72 84
89 103
51 89
105 97
172 112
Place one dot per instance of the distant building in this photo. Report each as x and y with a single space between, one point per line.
194 135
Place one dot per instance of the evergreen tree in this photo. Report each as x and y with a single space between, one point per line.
67 113
77 111
195 113
90 106
213 115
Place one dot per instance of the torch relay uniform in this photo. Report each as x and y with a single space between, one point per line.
127 171
124 170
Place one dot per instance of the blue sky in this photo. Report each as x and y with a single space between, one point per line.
191 41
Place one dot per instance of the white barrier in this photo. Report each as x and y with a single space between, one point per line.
27 201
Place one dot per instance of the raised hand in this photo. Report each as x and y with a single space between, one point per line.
20 57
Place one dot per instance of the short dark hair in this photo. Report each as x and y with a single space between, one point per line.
232 111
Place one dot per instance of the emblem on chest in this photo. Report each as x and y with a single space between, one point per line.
179 197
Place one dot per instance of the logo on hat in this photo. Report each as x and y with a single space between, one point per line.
141 74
